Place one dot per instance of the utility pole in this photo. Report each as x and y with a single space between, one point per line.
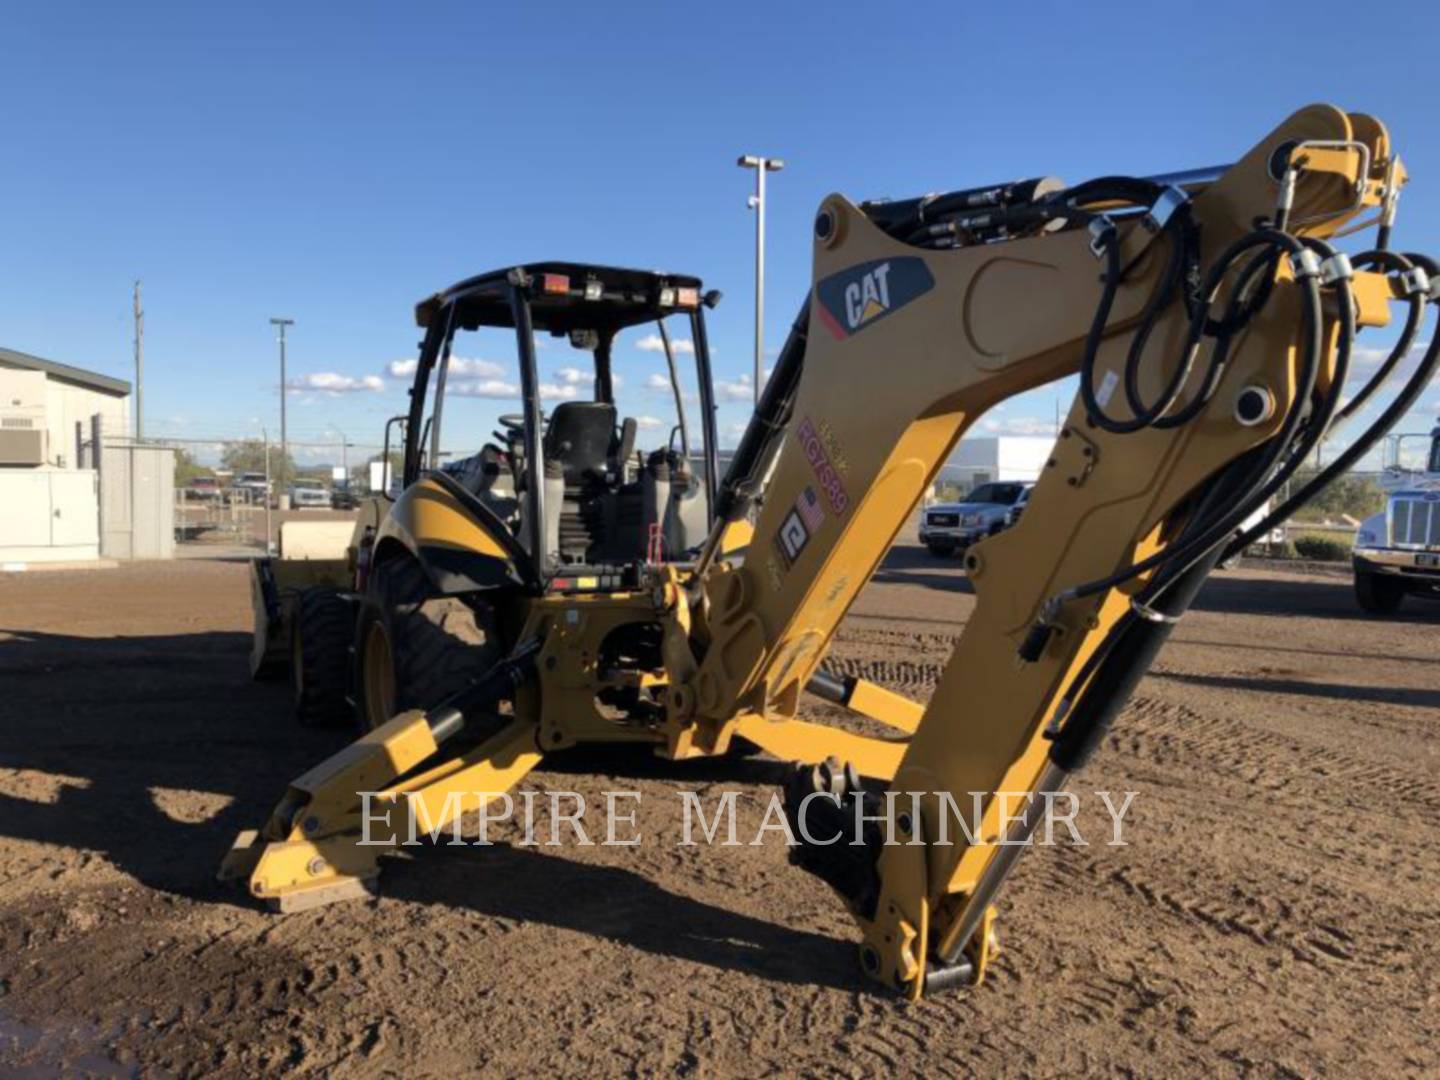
756 202
139 365
265 434
284 390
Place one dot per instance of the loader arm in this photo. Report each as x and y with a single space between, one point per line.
902 346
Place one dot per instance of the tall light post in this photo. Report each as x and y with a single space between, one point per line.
756 202
139 365
284 442
344 452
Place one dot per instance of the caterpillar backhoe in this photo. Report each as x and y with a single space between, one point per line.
1210 320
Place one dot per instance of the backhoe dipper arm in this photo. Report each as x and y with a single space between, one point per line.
1211 350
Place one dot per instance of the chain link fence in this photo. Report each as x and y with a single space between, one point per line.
232 494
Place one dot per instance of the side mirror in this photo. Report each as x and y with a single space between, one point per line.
712 298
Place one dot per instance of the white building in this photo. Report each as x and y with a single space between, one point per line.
979 459
50 486
71 396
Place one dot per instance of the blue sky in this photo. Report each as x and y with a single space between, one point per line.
335 163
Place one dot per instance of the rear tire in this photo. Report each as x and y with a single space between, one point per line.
1378 594
321 628
414 648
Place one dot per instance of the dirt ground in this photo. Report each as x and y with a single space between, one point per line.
1275 912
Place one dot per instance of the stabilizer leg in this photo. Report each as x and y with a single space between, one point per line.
324 840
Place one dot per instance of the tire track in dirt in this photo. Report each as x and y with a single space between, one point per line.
1167 733
1231 908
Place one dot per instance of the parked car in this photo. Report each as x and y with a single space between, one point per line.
250 487
342 498
309 495
946 528
1018 508
204 488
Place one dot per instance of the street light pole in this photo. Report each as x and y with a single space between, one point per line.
756 202
284 442
344 454
139 365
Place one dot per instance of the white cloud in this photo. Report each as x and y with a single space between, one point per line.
484 388
731 433
332 382
479 369
1019 425
647 423
1364 357
656 381
459 365
653 343
499 388
741 389
571 376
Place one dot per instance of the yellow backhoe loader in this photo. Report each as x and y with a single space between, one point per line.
1211 323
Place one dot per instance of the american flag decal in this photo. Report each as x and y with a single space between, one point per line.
809 509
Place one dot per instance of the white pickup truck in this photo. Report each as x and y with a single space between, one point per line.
1397 551
309 494
946 528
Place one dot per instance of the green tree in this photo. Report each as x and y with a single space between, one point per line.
248 455
187 468
360 474
1357 496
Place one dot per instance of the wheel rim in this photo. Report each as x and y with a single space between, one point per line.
378 676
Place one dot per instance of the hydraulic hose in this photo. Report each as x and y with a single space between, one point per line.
1274 449
1398 407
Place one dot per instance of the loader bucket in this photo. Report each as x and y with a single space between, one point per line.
312 555
270 645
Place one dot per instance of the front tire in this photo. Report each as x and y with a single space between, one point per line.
413 647
941 551
321 628
1378 594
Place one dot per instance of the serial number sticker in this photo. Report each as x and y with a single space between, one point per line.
1107 388
813 447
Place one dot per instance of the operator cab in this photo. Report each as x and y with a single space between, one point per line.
565 484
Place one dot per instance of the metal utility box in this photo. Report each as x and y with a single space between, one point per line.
48 515
138 490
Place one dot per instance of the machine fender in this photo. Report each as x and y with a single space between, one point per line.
458 541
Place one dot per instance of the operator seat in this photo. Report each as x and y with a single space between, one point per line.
579 443
580 437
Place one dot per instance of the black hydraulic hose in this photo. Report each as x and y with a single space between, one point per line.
771 415
1095 702
1316 425
1136 644
1396 263
1102 189
1402 403
761 439
1275 448
1238 311
1184 259
1199 323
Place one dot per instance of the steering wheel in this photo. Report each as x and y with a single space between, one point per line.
512 421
